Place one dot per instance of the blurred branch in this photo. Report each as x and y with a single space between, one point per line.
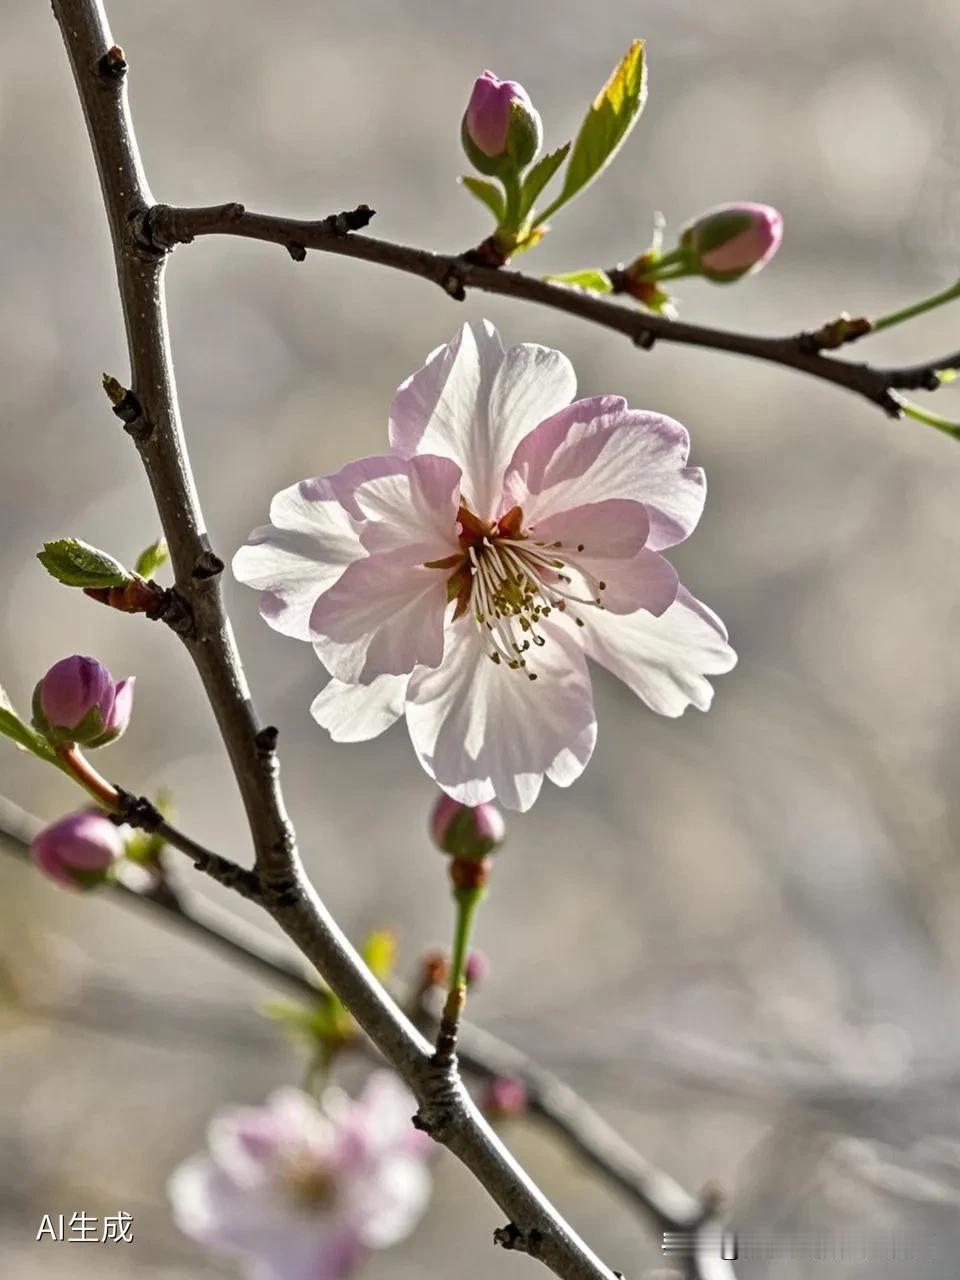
570 1117
150 413
162 227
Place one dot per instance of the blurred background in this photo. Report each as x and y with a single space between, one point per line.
738 934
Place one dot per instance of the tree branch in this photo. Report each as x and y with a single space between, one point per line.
662 1200
153 420
163 227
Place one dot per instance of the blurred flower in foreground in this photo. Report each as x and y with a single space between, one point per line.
732 240
78 851
79 701
301 1190
465 578
500 125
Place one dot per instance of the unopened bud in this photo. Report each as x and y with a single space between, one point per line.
78 701
732 240
504 1096
79 851
500 128
464 832
477 968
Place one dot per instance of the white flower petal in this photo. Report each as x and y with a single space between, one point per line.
358 712
416 508
384 616
483 731
665 660
599 449
297 557
473 402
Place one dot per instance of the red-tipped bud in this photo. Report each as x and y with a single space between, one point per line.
79 701
79 851
732 240
464 832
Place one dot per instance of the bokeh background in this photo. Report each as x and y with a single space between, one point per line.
738 934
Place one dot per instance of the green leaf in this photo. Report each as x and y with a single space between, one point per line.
11 726
595 280
77 564
325 1023
489 194
151 558
380 952
614 112
540 175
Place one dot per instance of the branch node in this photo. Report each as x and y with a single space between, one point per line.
207 565
296 251
644 339
341 224
453 284
280 890
266 741
834 334
172 609
512 1238
113 65
441 1100
125 405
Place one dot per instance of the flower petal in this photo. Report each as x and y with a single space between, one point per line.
599 449
665 660
300 554
605 560
384 616
358 712
415 507
617 528
473 403
433 411
485 732
532 383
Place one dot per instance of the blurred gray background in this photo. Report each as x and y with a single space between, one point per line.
738 934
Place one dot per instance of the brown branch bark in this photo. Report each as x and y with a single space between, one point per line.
152 419
163 227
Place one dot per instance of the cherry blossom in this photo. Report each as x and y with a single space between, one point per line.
301 1190
464 579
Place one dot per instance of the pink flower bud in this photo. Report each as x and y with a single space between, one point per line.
733 240
79 701
477 967
504 1096
79 850
464 832
500 124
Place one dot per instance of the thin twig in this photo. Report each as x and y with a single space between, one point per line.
165 226
446 1110
668 1206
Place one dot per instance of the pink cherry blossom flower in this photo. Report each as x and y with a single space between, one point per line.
465 578
301 1190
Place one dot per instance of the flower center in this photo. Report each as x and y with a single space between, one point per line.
509 582
307 1181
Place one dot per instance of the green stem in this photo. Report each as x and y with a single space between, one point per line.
919 414
514 194
918 308
668 259
467 900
